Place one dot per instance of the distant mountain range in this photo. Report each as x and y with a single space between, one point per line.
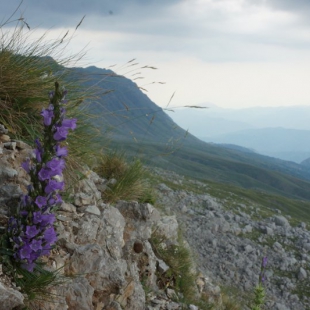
139 127
287 144
282 132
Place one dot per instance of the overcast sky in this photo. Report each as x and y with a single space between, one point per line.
231 53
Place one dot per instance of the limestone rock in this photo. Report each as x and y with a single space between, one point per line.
111 231
10 145
107 249
281 221
266 230
104 273
279 306
302 274
163 187
10 298
93 210
88 228
168 228
139 219
79 294
162 266
21 145
4 138
3 130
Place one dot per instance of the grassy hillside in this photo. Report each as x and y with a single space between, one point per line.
123 110
204 164
141 128
234 196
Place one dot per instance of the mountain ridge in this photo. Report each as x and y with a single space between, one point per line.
139 124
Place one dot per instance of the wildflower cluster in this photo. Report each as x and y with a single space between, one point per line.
31 230
259 292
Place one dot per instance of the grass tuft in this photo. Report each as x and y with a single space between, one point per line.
29 68
180 276
112 165
131 182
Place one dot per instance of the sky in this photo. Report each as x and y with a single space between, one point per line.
229 53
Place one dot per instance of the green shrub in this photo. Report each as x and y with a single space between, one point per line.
180 275
112 165
131 182
148 196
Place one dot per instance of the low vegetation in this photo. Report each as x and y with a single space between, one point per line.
180 276
127 179
234 196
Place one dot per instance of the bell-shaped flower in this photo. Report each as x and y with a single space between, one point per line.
31 231
36 245
37 217
69 123
38 155
61 151
61 133
264 262
38 151
56 165
47 114
41 201
51 94
53 186
55 199
25 200
45 174
50 236
25 251
47 219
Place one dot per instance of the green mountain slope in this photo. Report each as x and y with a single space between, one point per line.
124 109
141 128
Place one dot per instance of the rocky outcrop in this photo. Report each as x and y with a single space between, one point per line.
105 253
230 239
102 250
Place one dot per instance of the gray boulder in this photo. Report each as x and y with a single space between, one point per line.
281 221
10 298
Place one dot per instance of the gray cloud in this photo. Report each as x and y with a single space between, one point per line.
188 37
164 25
289 5
63 13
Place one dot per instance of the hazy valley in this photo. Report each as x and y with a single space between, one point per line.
282 132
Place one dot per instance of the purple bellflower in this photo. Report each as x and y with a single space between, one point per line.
47 114
41 201
61 133
61 151
69 123
26 165
56 165
53 185
31 230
